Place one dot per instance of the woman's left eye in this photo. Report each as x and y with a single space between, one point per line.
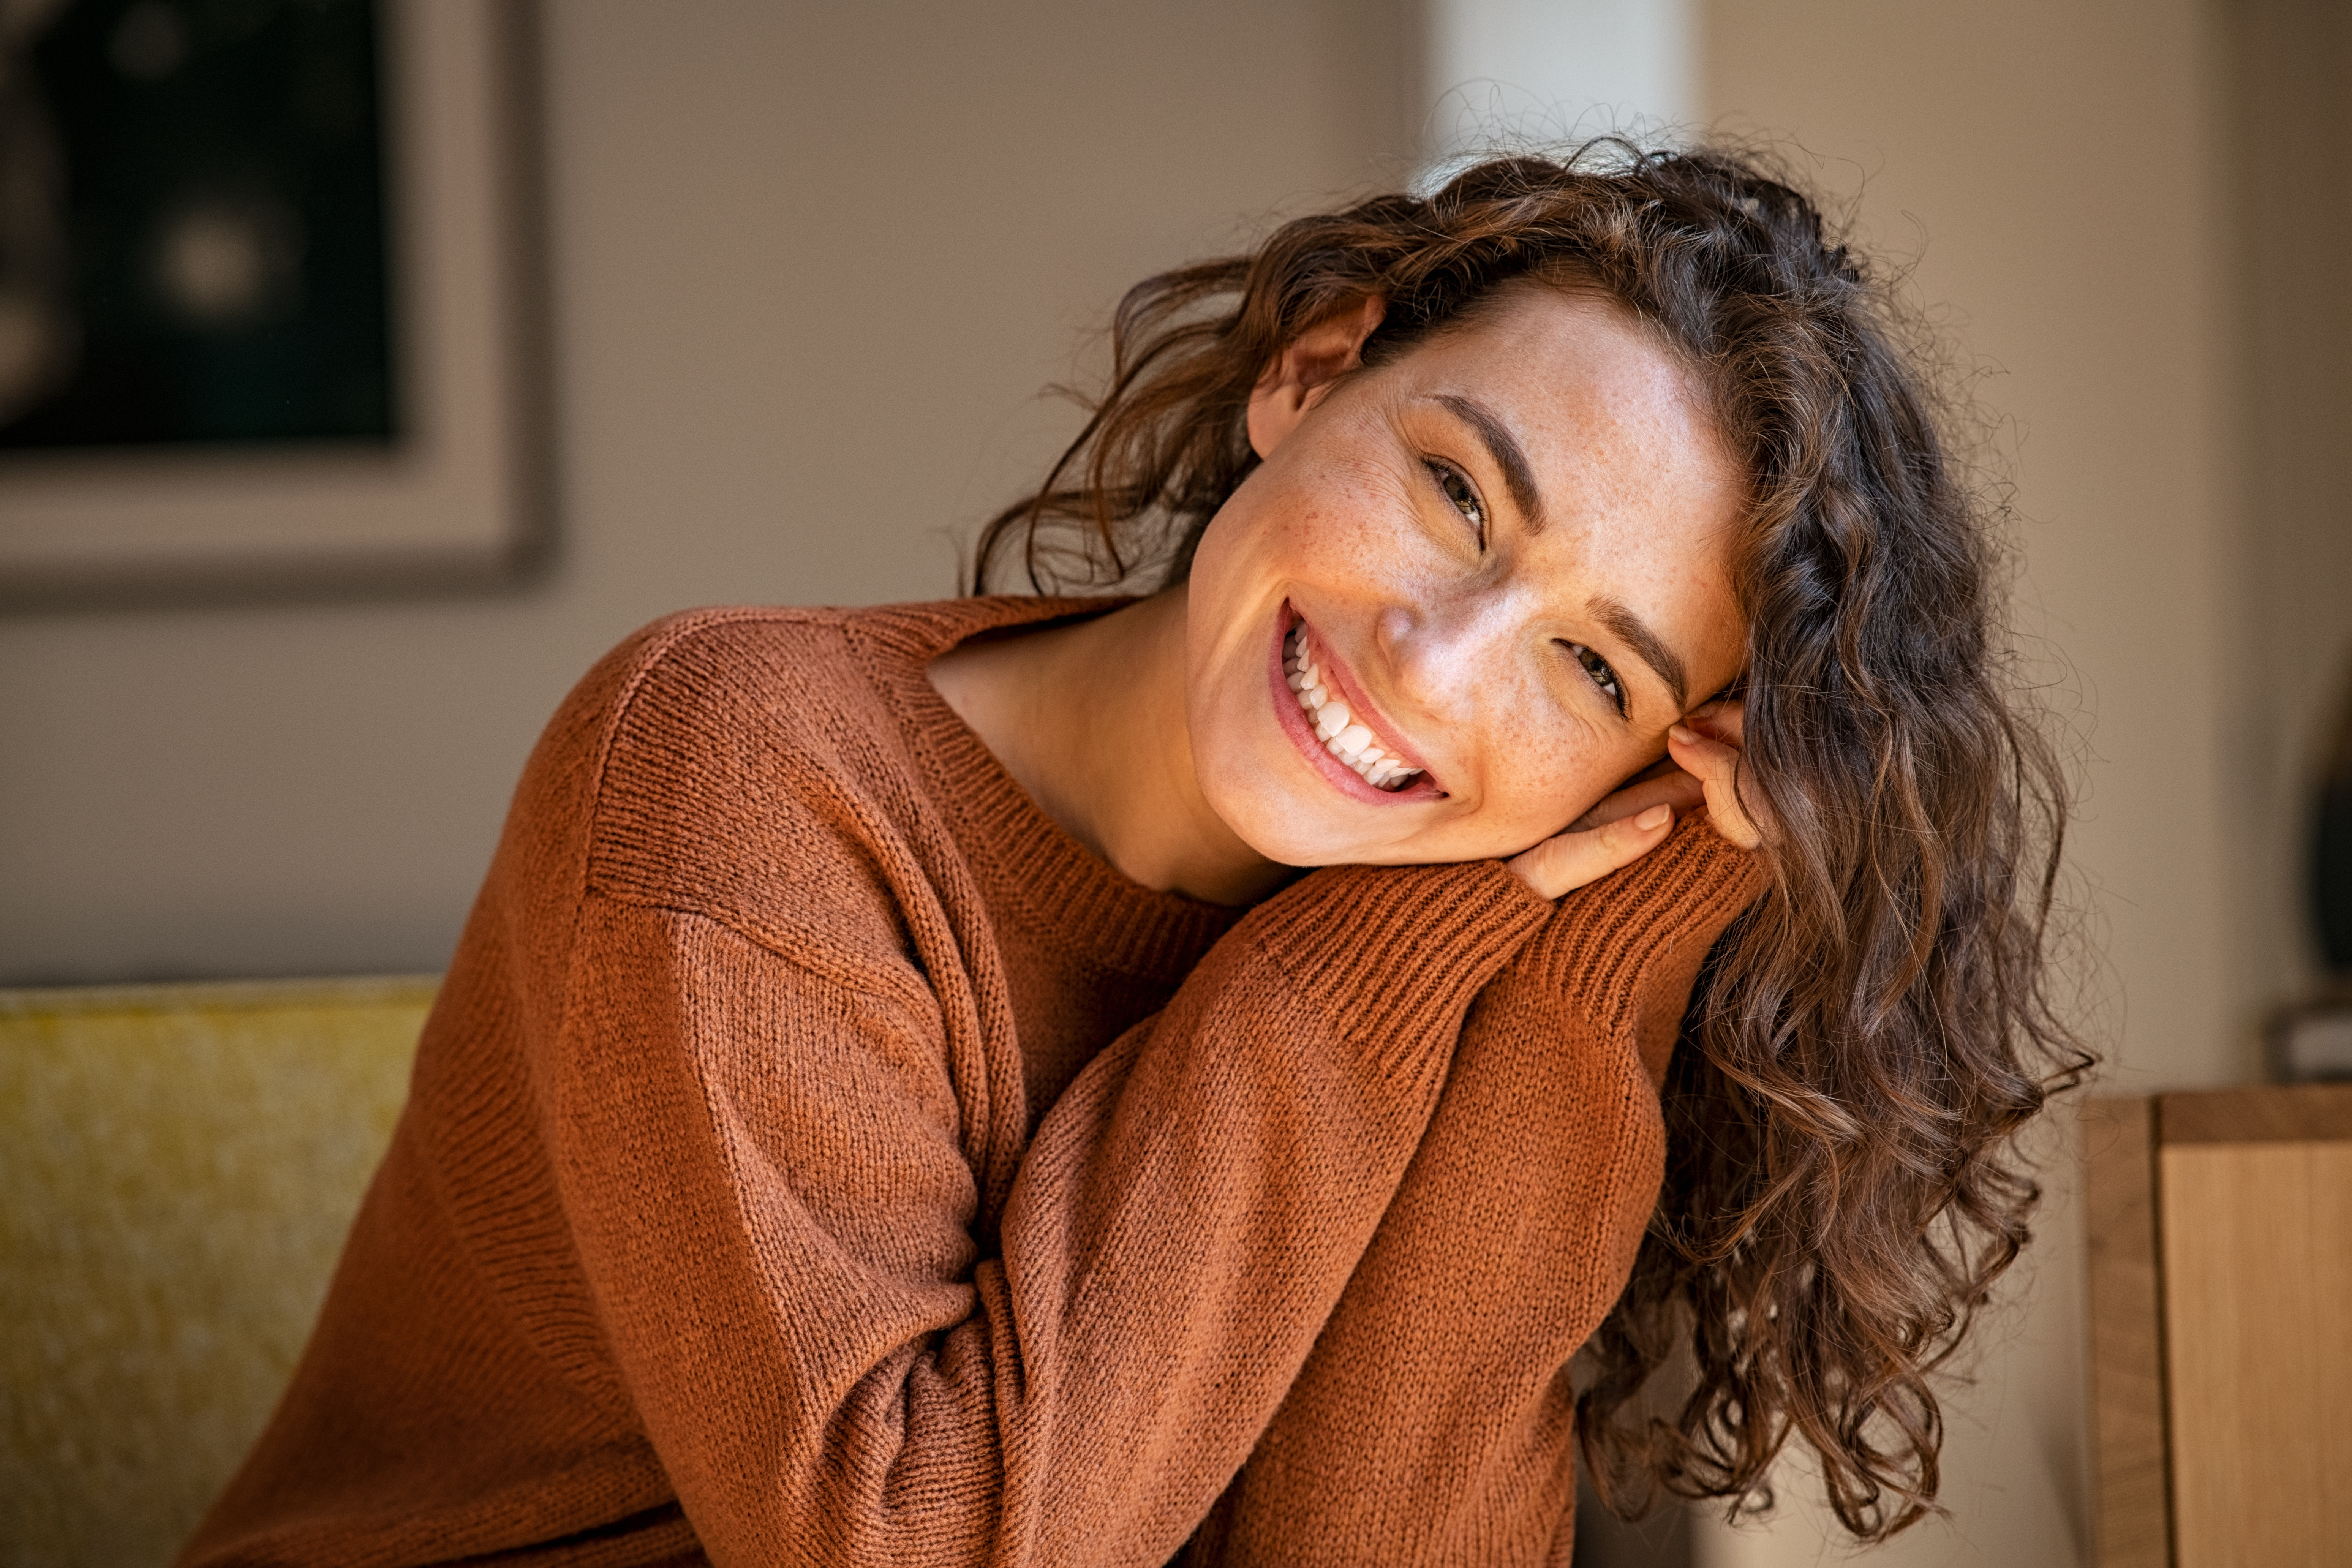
1603 676
1462 494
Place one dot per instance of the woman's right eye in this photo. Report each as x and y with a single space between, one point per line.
1462 494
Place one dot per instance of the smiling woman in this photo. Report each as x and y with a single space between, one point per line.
1029 1081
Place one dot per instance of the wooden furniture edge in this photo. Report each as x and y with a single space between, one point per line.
2131 1483
2303 1113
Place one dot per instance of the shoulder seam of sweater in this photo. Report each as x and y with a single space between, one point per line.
663 637
668 634
823 961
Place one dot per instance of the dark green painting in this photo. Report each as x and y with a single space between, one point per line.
192 225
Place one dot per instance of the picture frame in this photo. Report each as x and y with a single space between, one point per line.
458 496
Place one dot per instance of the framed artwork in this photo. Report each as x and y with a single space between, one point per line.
267 296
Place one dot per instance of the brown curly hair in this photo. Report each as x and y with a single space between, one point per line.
1865 1045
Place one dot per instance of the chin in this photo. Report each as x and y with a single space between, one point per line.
1287 844
1291 828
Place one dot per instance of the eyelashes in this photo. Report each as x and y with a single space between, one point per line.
1464 498
1602 675
1460 494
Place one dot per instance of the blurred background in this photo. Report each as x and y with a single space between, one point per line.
792 278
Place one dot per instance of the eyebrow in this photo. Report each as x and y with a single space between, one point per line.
1647 645
1518 474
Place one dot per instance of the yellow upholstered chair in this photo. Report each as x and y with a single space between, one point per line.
178 1166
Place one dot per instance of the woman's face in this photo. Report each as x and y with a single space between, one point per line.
1507 554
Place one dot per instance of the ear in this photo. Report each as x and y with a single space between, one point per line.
1305 369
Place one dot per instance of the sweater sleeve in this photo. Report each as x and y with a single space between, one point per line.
765 1160
1435 1420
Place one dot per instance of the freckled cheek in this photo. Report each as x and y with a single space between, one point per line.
1539 774
1359 549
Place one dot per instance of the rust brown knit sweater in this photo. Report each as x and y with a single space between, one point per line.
817 1156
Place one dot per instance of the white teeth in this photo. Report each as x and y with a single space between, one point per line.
1350 743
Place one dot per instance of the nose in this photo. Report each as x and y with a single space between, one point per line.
1436 653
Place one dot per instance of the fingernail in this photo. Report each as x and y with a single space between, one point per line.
1682 734
1656 817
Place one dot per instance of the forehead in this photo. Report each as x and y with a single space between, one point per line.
1613 422
1561 355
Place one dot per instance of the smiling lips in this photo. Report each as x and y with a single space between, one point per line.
1351 743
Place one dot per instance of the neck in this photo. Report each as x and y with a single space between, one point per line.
1090 717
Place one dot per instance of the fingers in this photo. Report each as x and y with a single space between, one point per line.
1666 785
1567 861
1659 769
1701 768
1720 720
1716 767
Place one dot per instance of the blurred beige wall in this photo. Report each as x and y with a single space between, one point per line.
2290 176
2055 171
2057 174
811 266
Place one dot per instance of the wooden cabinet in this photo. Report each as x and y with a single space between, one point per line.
2221 1327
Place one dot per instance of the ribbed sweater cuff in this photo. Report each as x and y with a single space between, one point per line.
1606 938
1388 953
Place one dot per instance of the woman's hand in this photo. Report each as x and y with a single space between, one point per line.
1700 767
1707 747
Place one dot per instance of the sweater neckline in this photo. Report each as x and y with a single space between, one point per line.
1055 884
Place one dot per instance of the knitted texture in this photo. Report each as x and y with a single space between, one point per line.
814 1156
